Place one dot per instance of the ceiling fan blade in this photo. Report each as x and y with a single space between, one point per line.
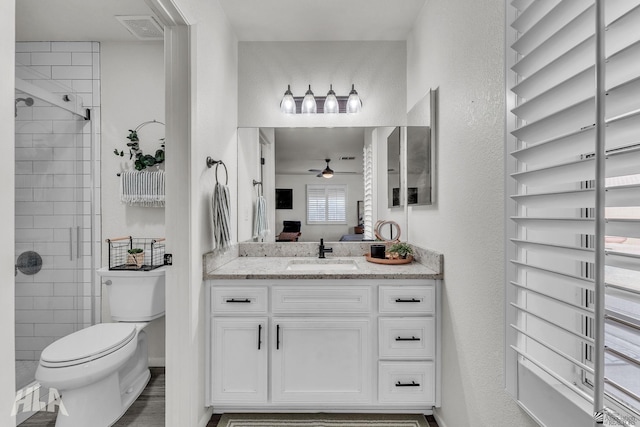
315 170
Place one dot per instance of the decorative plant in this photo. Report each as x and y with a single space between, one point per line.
141 160
135 257
402 249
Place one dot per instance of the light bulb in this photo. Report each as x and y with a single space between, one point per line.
331 102
354 104
309 103
288 104
327 172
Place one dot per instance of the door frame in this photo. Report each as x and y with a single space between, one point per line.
180 349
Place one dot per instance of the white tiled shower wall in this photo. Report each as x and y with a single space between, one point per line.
57 180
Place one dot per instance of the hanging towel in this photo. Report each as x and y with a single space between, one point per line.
142 188
221 217
260 225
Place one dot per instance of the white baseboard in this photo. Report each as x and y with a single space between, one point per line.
439 420
206 417
157 362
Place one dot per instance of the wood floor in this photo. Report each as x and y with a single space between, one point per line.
147 411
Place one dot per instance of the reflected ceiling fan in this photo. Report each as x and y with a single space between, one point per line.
328 172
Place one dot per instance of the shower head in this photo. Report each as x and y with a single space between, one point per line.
27 101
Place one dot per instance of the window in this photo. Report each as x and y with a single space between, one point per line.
573 214
326 204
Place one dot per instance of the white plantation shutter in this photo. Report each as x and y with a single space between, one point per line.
573 285
368 190
326 204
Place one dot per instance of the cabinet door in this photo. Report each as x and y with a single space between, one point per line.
239 366
318 360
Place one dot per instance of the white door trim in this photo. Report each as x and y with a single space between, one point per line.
180 348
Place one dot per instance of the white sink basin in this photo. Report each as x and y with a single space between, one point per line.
321 265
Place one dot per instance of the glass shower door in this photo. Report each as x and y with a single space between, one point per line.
53 228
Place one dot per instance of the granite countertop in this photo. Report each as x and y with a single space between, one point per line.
276 268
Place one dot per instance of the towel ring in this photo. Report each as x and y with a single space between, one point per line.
211 162
260 190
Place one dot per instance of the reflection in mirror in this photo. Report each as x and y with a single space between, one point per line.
394 197
418 165
326 207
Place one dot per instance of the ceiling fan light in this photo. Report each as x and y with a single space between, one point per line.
331 102
309 103
327 172
288 104
354 104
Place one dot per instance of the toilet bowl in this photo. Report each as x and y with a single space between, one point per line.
101 370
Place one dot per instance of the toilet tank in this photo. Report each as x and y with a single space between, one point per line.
135 296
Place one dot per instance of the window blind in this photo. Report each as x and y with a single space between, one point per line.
326 204
552 271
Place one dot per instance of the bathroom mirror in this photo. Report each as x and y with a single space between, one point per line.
418 165
294 159
395 197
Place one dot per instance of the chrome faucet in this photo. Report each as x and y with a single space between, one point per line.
322 250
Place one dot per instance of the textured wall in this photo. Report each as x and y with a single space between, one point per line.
378 70
131 95
457 45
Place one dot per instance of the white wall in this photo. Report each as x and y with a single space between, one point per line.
458 46
378 70
311 232
132 93
7 169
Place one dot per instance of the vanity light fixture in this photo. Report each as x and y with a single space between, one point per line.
354 104
327 172
288 104
330 104
309 103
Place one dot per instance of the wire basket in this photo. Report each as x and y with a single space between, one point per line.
120 257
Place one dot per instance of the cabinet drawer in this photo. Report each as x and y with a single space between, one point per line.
238 300
407 299
328 299
407 338
406 382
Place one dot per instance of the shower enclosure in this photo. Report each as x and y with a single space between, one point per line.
54 217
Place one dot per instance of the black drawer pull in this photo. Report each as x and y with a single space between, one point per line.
407 339
412 384
277 337
244 301
259 336
407 300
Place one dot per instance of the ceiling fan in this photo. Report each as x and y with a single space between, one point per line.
328 172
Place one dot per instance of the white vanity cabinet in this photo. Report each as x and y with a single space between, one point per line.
323 345
238 345
319 360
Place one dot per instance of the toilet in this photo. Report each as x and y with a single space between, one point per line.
101 370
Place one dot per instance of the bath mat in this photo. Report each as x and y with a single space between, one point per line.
321 420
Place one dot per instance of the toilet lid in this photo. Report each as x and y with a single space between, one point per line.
88 344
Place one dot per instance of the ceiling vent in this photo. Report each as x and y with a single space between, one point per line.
346 158
142 26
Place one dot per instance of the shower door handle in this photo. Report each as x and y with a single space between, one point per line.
78 241
70 243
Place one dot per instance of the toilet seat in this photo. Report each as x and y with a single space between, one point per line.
88 344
